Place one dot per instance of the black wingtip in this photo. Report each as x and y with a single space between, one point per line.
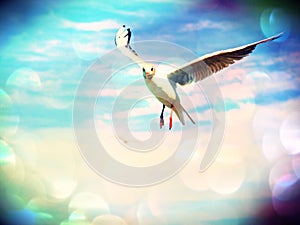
277 36
270 38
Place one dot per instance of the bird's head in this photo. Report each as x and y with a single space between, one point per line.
148 71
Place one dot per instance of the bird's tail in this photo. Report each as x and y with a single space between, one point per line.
178 109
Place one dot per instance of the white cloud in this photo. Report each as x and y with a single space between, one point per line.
91 26
137 13
31 58
207 24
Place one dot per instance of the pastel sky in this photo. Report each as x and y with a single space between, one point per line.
48 48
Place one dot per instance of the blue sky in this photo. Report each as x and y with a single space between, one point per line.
60 40
48 47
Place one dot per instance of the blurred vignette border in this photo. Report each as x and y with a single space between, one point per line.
24 27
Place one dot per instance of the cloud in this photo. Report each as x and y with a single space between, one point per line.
91 26
277 96
108 92
136 13
32 58
41 51
206 24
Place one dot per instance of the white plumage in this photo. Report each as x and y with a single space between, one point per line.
164 85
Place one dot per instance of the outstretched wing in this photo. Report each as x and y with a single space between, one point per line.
122 42
207 65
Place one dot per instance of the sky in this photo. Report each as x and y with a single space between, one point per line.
79 131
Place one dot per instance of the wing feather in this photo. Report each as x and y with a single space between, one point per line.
121 41
207 65
131 53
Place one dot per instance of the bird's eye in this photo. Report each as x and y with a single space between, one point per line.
151 69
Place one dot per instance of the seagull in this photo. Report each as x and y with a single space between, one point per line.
196 70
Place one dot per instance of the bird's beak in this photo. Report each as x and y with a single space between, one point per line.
148 75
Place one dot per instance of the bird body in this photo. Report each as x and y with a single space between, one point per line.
164 86
165 92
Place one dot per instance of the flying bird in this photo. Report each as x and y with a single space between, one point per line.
193 71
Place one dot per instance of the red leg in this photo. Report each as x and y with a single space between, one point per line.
171 122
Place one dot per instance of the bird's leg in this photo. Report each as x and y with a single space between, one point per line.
162 117
171 124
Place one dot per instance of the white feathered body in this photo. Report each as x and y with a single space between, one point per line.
165 92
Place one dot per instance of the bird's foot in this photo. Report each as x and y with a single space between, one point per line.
161 123
170 124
